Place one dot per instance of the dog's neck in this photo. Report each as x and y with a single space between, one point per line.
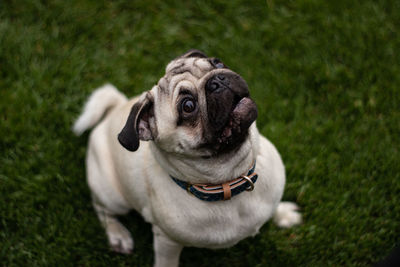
218 169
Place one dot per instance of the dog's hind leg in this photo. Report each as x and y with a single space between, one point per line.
166 251
287 215
108 200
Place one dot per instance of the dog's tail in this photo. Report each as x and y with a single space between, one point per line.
101 100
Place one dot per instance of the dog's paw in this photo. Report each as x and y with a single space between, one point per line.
287 215
119 238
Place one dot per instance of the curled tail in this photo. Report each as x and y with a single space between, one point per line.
102 99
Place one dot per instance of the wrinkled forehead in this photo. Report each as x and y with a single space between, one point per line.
197 67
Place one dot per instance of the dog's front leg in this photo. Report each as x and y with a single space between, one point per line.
166 251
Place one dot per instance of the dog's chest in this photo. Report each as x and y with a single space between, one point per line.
198 223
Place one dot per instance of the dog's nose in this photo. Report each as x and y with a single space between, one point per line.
220 77
232 81
216 82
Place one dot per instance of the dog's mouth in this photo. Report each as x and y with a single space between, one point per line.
241 117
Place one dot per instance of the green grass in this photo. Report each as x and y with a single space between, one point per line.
325 76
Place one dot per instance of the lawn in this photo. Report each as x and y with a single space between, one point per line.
326 79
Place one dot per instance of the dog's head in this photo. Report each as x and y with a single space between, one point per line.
199 108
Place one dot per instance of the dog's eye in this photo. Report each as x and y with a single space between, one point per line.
217 63
188 105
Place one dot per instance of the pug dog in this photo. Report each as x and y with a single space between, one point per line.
206 177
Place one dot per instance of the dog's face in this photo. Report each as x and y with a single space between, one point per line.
200 108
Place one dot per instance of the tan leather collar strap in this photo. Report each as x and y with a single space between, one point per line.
227 191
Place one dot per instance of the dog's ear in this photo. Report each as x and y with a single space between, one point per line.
138 124
194 53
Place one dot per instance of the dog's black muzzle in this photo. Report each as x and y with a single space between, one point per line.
223 92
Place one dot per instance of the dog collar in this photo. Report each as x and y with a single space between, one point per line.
216 192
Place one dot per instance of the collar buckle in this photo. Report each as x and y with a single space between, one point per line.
251 186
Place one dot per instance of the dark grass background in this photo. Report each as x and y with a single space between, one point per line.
325 76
